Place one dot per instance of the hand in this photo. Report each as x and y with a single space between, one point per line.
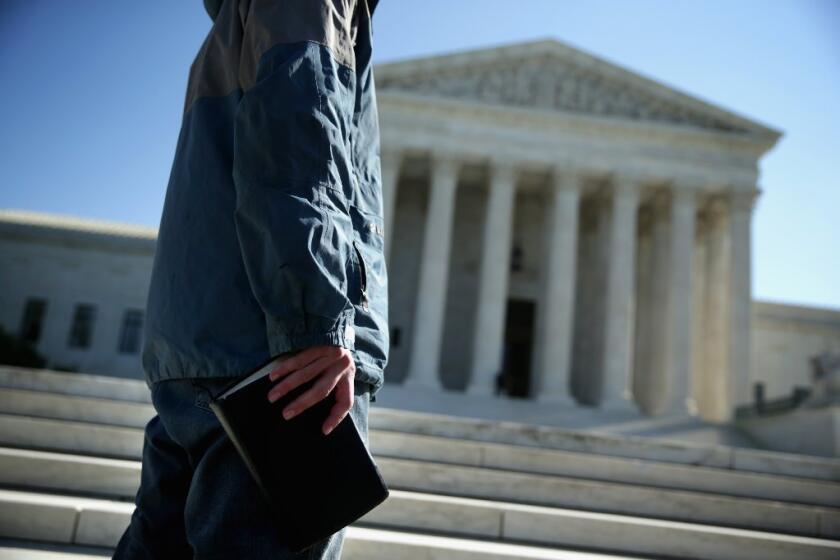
337 369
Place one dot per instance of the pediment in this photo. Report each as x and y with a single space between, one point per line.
548 75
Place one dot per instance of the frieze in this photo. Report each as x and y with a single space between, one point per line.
550 82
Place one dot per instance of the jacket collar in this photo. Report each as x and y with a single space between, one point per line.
213 6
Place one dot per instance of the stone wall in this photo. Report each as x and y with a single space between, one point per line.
65 275
784 338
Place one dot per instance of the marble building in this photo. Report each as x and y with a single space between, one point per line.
625 204
550 215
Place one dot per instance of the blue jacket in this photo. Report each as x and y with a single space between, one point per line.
271 236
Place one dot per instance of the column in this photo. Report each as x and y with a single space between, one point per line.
678 334
740 296
434 265
493 280
700 385
558 301
390 163
618 335
716 339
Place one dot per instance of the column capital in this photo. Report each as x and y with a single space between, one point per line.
567 179
627 184
444 164
503 162
503 171
716 210
440 155
696 182
390 157
684 195
743 200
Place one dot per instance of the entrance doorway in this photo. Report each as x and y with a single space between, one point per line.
518 342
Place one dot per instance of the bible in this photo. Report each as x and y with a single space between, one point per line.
315 484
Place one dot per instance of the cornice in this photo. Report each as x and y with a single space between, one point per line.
78 232
530 119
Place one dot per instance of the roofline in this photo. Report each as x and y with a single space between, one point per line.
66 229
552 46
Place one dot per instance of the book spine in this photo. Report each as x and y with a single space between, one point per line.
233 434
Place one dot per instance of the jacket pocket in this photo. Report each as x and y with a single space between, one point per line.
368 243
363 298
371 318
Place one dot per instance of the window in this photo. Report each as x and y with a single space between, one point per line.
82 328
132 328
33 319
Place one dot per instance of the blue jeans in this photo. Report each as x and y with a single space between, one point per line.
196 497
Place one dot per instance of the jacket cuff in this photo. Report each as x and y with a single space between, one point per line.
317 331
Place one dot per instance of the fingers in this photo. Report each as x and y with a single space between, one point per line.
299 377
343 404
314 394
342 368
302 359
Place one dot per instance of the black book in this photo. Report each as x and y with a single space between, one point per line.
315 484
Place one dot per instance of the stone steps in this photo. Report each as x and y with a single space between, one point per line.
112 417
464 525
461 488
127 392
360 544
79 384
17 549
95 474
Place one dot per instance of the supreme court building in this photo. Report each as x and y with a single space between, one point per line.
548 215
586 228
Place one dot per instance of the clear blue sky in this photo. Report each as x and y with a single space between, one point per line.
93 92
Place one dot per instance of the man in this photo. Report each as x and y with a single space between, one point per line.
270 245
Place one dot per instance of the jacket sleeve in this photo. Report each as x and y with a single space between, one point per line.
290 166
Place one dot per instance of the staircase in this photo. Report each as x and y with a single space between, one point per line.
461 488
